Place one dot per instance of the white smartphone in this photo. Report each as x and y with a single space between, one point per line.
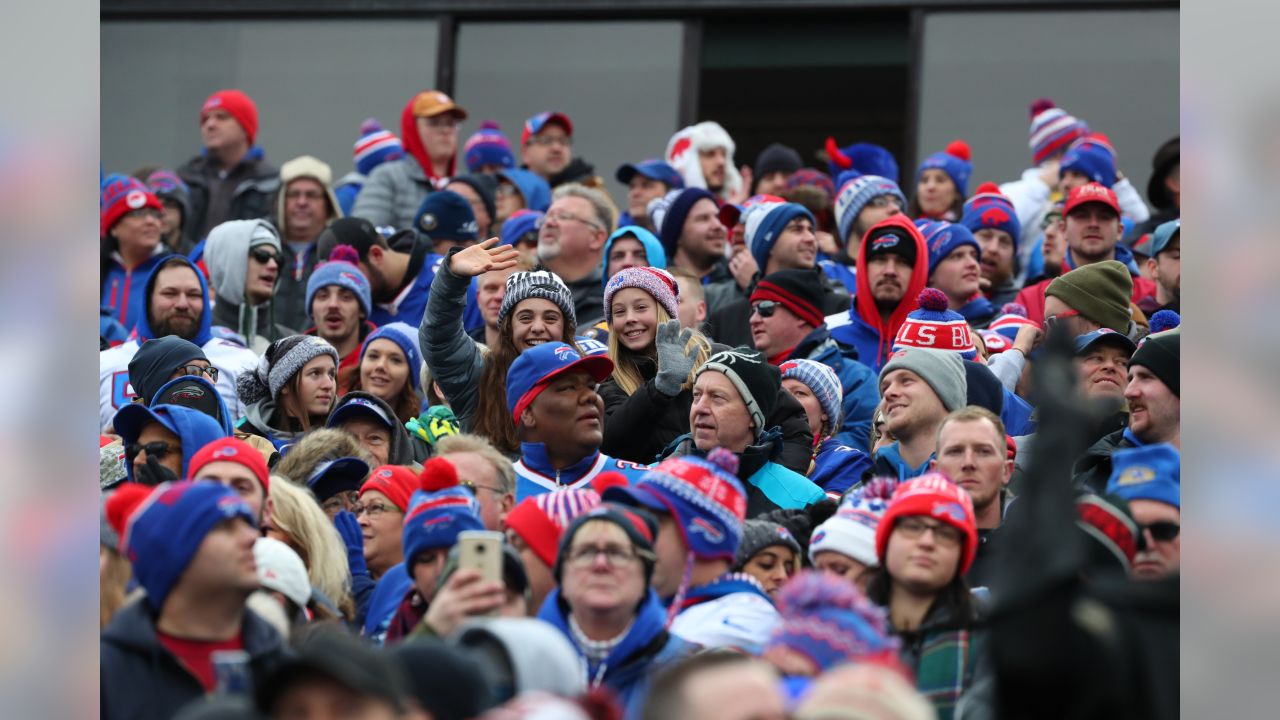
481 550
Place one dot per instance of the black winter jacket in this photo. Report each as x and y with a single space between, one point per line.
140 679
1093 469
253 196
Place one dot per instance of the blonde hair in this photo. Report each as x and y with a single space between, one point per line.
468 443
692 285
296 513
116 572
627 374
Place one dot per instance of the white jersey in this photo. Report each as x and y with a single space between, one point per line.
741 620
114 390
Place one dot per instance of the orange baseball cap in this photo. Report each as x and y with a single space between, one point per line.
433 102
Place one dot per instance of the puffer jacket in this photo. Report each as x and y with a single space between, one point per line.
392 193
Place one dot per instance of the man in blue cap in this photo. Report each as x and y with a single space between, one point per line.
1165 267
559 417
646 180
446 220
1149 478
160 441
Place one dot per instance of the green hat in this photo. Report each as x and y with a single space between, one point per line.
1100 292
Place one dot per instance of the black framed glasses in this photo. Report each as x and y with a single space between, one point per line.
764 308
157 450
265 254
211 371
1162 530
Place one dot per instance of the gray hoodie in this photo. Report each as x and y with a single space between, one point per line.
226 255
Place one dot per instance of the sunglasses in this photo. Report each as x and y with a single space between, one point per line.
765 308
157 450
211 372
265 255
1162 530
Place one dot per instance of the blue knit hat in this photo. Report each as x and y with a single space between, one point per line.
435 519
1093 157
342 270
942 238
703 496
954 161
523 224
488 146
533 188
446 215
989 208
669 212
824 383
653 251
1150 472
375 146
194 429
864 158
854 195
165 531
764 223
404 336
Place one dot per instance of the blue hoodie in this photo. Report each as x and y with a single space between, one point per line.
535 190
122 288
387 595
632 662
838 467
653 251
142 329
193 428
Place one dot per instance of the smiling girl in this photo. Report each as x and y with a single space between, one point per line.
390 368
648 397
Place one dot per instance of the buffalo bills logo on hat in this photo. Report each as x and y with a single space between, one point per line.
884 242
940 240
566 354
679 149
952 510
993 216
705 528
135 199
469 227
213 102
817 537
187 393
428 222
384 474
225 451
783 533
1136 475
351 277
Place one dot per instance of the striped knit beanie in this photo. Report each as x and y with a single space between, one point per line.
657 282
824 383
540 520
375 146
1052 130
538 284
933 325
854 196
829 621
488 146
282 360
989 208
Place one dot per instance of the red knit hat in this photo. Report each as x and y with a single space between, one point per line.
932 495
540 520
234 450
121 195
395 481
241 107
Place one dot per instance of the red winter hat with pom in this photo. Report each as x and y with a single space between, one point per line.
932 495
934 325
438 474
395 481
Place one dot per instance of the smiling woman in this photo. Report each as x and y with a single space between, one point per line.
390 368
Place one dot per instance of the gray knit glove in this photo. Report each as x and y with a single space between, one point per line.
675 357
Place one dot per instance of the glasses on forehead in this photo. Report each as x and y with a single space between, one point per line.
764 308
211 372
265 254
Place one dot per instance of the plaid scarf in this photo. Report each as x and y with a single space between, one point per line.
945 668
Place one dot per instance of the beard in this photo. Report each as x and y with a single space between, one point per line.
182 325
380 290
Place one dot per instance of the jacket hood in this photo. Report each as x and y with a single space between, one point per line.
400 452
305 167
865 303
193 428
226 254
413 144
142 330
650 621
224 416
653 250
535 191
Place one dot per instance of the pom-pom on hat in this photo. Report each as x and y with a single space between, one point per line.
1164 320
165 531
933 325
437 474
434 520
121 195
660 284
829 621
375 146
855 194
1150 472
989 208
1012 317
932 495
1052 130
343 270
240 106
823 382
541 520
397 482
703 496
954 161
536 367
488 146
943 238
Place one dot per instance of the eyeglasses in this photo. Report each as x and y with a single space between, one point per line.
764 308
145 214
373 510
562 217
477 486
1162 530
914 527
883 201
198 370
1051 322
157 450
614 555
564 140
345 500
505 190
265 255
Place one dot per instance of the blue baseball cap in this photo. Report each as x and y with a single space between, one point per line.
339 475
356 406
535 124
653 169
1089 339
521 226
1150 472
1163 234
539 365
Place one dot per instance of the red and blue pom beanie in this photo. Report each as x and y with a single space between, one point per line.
1093 157
702 495
935 326
435 519
989 208
375 146
864 158
1052 130
943 238
165 531
829 621
120 195
488 146
954 161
